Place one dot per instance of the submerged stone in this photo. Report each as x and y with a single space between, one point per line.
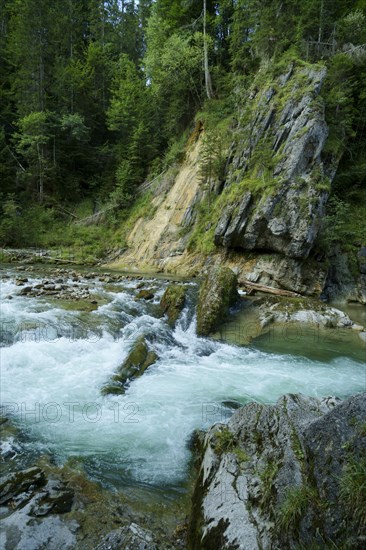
134 366
144 295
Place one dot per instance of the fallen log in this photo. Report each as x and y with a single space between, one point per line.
269 290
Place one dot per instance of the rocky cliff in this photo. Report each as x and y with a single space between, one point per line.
290 475
277 165
264 214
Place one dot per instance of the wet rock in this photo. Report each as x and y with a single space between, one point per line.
25 290
344 282
218 291
231 404
114 388
134 366
56 497
173 301
132 537
298 311
144 295
19 482
19 281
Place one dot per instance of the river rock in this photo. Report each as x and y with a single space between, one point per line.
56 497
19 281
172 302
271 478
19 482
218 291
134 366
288 310
144 295
26 290
132 537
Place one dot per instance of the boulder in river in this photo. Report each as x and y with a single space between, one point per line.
218 291
144 295
173 302
135 364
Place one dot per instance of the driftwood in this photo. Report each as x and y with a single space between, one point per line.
269 290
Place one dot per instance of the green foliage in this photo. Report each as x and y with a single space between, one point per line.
362 429
344 223
75 127
202 237
353 490
224 441
352 28
340 107
267 476
294 506
95 97
10 229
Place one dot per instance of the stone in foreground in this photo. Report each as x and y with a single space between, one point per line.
289 475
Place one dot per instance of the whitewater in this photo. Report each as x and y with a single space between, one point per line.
54 363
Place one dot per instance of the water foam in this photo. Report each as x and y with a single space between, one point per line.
52 385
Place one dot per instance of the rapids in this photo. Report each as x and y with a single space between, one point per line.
54 363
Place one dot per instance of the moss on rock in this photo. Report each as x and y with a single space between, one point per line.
144 295
173 302
218 292
134 366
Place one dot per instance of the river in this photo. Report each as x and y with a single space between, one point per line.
55 359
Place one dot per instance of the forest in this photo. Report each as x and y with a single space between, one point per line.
99 96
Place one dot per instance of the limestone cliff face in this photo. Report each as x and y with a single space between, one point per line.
289 130
157 243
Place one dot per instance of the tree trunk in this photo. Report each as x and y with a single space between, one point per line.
321 17
40 169
208 82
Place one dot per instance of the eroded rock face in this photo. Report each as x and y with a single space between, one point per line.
290 127
271 478
218 291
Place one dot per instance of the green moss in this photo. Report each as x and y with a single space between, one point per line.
136 363
218 291
362 429
241 455
173 302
